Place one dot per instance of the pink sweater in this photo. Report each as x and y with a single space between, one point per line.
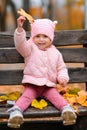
41 67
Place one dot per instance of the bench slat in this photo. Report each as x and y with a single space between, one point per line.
77 75
10 56
63 37
6 41
9 77
76 55
50 112
70 37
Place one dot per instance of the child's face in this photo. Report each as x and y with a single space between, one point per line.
42 41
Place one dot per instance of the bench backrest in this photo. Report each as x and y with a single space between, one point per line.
71 43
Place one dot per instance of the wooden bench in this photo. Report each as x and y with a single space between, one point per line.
69 43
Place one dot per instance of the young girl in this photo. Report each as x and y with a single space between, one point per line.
44 67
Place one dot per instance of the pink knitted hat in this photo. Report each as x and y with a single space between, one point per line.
43 26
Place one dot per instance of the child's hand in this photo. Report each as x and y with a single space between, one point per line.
63 82
20 22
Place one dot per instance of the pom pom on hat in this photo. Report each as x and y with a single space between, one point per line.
43 26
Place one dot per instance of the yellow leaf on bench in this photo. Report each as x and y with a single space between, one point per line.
39 104
3 98
13 95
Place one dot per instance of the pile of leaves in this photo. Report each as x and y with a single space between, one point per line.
75 96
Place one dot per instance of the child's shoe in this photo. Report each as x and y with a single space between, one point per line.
68 115
15 119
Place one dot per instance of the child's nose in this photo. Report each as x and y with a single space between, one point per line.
41 38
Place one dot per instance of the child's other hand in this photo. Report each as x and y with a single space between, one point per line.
20 22
63 82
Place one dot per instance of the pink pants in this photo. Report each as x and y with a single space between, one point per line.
32 92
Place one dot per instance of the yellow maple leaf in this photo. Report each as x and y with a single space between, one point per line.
3 98
82 92
72 100
13 95
39 104
81 99
23 13
84 104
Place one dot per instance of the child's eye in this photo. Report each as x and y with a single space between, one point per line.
37 36
45 36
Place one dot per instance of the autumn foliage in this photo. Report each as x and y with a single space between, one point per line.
75 96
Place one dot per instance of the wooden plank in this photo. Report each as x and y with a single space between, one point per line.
6 41
10 77
70 37
78 75
74 55
49 112
10 55
33 120
71 55
63 37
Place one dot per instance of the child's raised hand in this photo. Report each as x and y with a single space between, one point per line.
20 22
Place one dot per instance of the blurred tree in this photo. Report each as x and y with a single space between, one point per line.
75 14
3 11
50 8
26 8
36 8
